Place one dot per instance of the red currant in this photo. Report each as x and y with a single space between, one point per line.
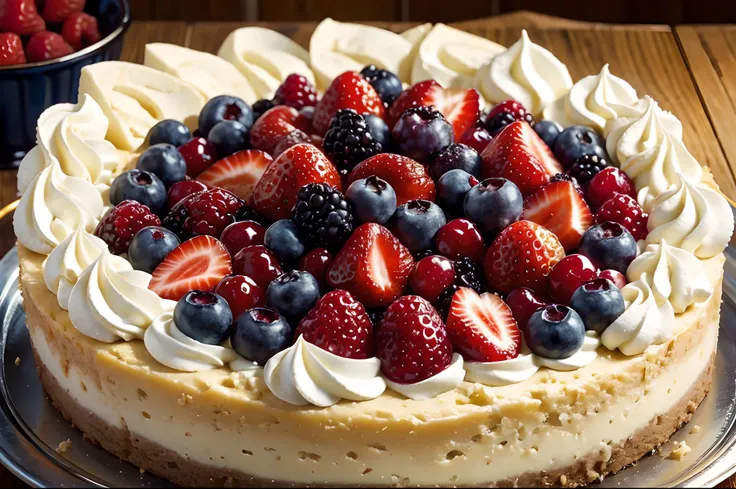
316 262
238 235
607 183
258 263
618 278
431 276
523 302
569 274
183 189
241 293
460 238
199 155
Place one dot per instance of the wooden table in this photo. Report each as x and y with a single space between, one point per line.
690 70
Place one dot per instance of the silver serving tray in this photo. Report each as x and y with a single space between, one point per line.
31 429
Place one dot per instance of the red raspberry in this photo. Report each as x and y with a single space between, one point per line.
122 222
46 45
20 17
80 30
11 49
607 183
626 211
297 92
59 10
208 212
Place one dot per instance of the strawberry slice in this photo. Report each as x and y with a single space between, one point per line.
408 178
373 266
519 154
347 91
559 207
275 192
482 327
197 264
274 125
238 173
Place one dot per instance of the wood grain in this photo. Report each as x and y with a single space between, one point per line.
311 10
141 33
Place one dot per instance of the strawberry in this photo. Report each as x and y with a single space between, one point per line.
59 10
274 125
559 207
275 193
519 154
80 30
238 173
20 17
421 94
482 327
408 178
347 91
625 210
11 49
522 255
46 45
197 264
412 341
338 324
373 265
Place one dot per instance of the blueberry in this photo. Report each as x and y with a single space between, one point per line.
373 199
456 156
493 204
203 316
599 303
609 245
150 246
386 84
169 131
452 187
416 222
548 131
421 133
228 137
576 141
379 130
284 238
224 108
141 186
260 333
495 124
555 332
292 295
164 161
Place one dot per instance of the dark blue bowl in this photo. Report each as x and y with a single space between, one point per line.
27 90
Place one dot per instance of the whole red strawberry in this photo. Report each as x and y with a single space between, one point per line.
347 91
20 17
296 91
338 324
59 10
46 45
407 177
11 49
121 223
80 30
412 341
522 255
626 211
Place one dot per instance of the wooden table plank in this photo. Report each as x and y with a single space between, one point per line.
141 33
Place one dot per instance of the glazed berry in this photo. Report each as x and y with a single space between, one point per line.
260 107
452 187
258 263
260 333
576 141
224 108
141 186
423 254
512 107
609 245
524 302
286 240
569 274
228 137
460 238
495 124
150 246
416 222
296 91
467 274
456 156
564 177
626 211
379 130
421 133
407 177
204 317
164 161
347 91
618 278
121 223
477 138
498 194
431 276
240 234
323 215
169 131
386 84
316 262
372 199
292 295
208 212
586 167
599 303
548 131
11 49
348 141
241 293
606 184
199 154
556 332
182 189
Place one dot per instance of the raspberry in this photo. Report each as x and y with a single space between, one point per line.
323 215
348 140
46 45
80 30
121 223
11 49
297 92
208 212
607 183
59 10
626 211
564 177
20 17
586 167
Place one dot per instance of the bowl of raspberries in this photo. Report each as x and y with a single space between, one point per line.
44 44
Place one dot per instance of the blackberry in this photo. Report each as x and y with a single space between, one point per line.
323 215
260 107
564 177
586 167
467 274
348 141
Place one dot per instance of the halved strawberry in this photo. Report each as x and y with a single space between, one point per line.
347 91
197 264
238 173
275 124
519 154
482 327
408 178
373 266
559 207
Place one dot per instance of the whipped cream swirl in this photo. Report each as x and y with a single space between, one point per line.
111 301
525 72
593 101
433 386
306 374
647 144
693 217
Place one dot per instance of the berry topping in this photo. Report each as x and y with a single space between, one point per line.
46 45
121 223
292 295
80 30
379 130
586 167
467 274
199 154
348 141
11 49
208 212
499 194
548 131
408 178
421 133
555 332
164 161
618 278
228 137
372 199
183 189
569 274
260 107
517 111
416 222
239 173
452 187
224 108
59 10
316 262
20 17
477 138
238 235
150 246
460 238
274 125
606 184
347 91
495 124
258 263
431 276
259 334
576 141
169 131
140 186
386 84
524 302
296 91
204 317
564 177
626 211
599 303
286 240
241 293
456 156
197 264
323 215
609 245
